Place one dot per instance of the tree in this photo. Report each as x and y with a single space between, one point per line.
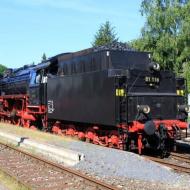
44 58
162 31
105 35
166 34
2 68
186 74
184 43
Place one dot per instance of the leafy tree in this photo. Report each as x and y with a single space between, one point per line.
2 68
44 58
161 33
105 35
184 43
166 34
185 32
186 74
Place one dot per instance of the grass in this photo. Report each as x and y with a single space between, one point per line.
10 183
32 134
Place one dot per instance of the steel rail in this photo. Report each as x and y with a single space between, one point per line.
61 169
180 157
170 165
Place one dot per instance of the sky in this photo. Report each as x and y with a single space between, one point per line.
29 28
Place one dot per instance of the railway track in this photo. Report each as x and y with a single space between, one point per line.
174 166
37 173
180 157
184 135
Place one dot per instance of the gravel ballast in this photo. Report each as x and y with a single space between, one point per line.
124 169
106 163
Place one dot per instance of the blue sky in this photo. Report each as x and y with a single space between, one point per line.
28 28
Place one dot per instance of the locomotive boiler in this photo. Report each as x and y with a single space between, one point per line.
112 96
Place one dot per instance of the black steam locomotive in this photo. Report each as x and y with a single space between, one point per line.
112 96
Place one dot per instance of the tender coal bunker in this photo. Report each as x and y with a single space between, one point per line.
130 60
161 107
142 85
99 59
85 98
147 82
180 83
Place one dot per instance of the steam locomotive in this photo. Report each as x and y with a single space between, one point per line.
112 96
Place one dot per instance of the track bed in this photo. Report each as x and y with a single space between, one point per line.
37 173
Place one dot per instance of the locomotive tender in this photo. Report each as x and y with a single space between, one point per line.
111 96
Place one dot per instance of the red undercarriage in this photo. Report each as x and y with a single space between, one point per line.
15 109
113 138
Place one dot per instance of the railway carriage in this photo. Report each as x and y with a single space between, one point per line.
111 96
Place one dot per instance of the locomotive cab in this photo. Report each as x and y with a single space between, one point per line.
34 88
37 88
38 83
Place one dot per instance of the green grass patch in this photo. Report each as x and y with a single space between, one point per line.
32 134
10 183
